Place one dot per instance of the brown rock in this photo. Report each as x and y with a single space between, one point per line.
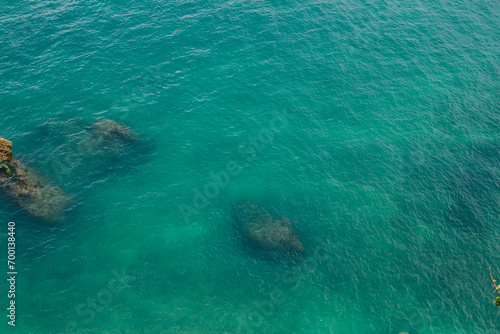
5 150
24 186
267 232
110 130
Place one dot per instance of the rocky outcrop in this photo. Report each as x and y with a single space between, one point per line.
5 150
28 190
266 232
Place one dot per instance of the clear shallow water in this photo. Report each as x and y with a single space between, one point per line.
389 162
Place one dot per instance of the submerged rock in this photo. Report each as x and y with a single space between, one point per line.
90 152
23 185
267 232
109 134
107 146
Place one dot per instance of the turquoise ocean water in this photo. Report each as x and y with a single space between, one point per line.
372 125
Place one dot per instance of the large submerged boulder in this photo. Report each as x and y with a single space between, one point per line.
84 153
29 191
267 232
109 134
107 143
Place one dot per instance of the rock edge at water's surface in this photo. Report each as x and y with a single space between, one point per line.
23 185
5 150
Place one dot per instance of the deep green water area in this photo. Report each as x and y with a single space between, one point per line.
373 126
